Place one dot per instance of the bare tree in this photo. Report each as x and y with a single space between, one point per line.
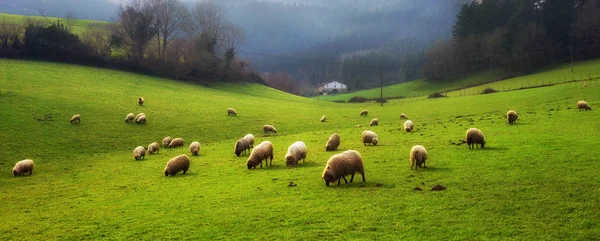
69 20
207 21
171 16
231 37
138 25
99 38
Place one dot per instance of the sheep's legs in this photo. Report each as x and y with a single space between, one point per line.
345 179
339 180
352 177
363 176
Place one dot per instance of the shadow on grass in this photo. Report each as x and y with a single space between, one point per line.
494 148
434 169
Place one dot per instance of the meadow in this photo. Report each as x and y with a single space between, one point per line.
475 84
79 25
535 180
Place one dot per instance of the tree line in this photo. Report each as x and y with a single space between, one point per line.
519 36
159 37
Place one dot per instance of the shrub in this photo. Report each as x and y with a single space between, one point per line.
436 95
489 91
381 100
357 99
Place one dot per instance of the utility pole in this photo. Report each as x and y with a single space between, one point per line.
381 85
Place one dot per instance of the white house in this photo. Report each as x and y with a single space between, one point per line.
332 87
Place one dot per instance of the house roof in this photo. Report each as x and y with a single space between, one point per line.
335 81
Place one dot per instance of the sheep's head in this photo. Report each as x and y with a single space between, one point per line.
136 156
375 141
329 176
15 172
167 171
482 144
289 161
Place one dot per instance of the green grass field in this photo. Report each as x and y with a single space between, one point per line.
476 83
536 180
79 25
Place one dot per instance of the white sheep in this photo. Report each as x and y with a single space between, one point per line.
141 100
369 137
340 165
129 118
176 164
250 139
473 137
195 148
166 141
408 126
76 118
177 142
295 152
231 111
323 119
418 156
364 112
152 148
269 128
261 152
333 142
512 117
241 146
403 116
374 122
582 105
139 153
23 167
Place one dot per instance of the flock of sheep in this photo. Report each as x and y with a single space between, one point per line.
338 166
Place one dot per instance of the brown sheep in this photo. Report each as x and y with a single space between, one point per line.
23 167
261 152
364 112
295 152
369 137
195 148
152 148
241 146
418 156
403 116
129 118
176 164
269 128
374 122
76 118
340 165
141 101
582 105
231 111
512 117
177 142
141 119
408 126
166 141
333 142
139 153
473 137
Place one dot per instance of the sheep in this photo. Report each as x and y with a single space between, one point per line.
295 152
403 116
141 119
76 118
22 167
369 137
166 141
583 105
261 152
139 153
129 118
152 148
473 137
340 165
194 148
269 128
374 122
177 142
250 139
418 156
512 117
231 111
333 142
323 119
139 115
176 164
241 146
364 112
141 101
408 125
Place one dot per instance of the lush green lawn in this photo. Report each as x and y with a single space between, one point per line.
536 180
78 27
476 83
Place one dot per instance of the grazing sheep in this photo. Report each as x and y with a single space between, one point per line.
152 148
364 112
403 116
139 153
583 105
241 146
141 119
177 142
166 141
333 142
231 111
512 117
176 164
418 156
473 137
261 152
138 116
194 148
369 137
408 125
323 119
129 118
23 167
374 122
340 165
141 100
76 118
295 152
269 128
250 139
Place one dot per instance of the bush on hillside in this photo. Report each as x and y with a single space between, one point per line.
436 95
357 99
489 91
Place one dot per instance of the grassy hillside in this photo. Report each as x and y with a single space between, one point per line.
537 179
79 26
476 83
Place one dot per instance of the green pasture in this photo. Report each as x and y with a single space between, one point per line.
536 180
79 25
